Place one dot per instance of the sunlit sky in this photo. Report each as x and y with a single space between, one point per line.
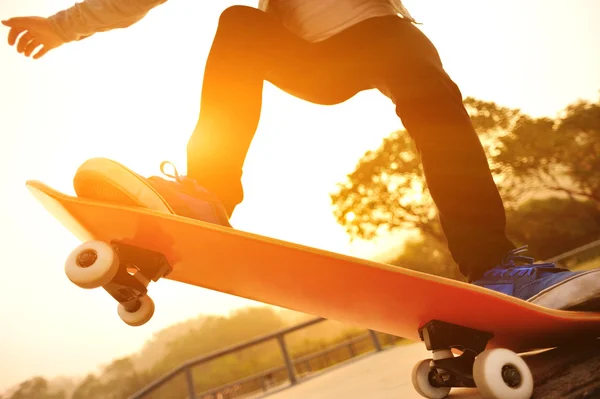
133 95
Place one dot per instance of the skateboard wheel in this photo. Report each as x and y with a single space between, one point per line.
92 264
422 383
502 374
141 316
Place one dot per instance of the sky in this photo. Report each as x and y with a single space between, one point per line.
133 95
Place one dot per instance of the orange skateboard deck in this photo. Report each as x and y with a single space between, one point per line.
444 313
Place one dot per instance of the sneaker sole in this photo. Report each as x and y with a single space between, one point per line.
107 180
580 292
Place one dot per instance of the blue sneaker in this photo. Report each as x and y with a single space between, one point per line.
544 284
107 180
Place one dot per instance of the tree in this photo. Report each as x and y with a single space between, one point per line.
121 379
535 223
427 256
36 388
528 157
217 333
559 156
156 348
90 388
387 189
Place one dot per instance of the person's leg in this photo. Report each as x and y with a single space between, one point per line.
430 106
249 47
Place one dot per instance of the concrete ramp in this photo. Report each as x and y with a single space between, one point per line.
384 375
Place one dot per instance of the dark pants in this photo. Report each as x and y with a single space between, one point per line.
386 53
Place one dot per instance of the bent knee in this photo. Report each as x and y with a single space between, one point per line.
423 80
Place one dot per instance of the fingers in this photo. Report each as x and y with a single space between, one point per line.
13 34
24 41
23 32
27 44
13 22
41 53
31 46
16 28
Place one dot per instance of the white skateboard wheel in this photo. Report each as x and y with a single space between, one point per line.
92 264
502 374
421 384
141 316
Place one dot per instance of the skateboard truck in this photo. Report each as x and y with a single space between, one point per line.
497 373
123 270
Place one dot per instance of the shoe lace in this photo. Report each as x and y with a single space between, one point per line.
175 174
509 265
185 180
189 184
514 256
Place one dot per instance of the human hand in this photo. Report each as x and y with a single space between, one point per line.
37 31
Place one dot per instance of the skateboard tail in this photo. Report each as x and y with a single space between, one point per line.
47 198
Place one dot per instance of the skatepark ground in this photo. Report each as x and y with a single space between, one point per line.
565 373
383 375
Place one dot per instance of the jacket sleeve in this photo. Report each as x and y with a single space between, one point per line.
91 16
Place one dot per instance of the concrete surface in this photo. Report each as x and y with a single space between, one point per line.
571 372
384 375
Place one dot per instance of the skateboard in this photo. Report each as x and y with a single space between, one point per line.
475 334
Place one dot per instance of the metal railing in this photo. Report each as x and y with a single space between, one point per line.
578 255
289 364
272 379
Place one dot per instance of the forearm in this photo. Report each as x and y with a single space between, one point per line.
92 16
